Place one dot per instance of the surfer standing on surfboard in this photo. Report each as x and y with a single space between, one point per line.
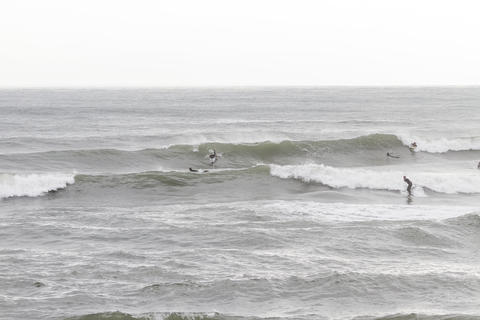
413 146
409 188
212 155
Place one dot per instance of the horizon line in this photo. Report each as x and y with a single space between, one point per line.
79 87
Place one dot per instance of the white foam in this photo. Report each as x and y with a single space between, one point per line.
441 144
33 184
381 179
362 212
309 210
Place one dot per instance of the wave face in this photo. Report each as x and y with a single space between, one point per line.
355 151
361 151
356 178
259 178
32 185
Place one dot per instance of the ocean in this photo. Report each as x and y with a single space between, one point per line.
303 216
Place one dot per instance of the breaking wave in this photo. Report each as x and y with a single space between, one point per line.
441 145
356 178
32 185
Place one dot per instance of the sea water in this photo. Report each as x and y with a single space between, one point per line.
303 216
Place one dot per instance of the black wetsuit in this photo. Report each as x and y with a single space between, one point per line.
409 188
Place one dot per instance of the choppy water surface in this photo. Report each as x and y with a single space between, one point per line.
303 216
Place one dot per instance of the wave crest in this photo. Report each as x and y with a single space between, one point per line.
356 178
442 145
33 184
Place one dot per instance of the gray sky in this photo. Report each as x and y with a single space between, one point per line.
247 42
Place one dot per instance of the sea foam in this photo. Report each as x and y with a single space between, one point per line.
441 144
33 184
356 178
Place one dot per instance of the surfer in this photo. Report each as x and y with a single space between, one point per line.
212 156
413 146
478 165
196 170
409 188
391 155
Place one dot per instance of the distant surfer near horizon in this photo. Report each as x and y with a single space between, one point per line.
409 188
413 146
196 170
391 155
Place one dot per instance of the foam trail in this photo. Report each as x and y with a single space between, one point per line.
355 178
32 185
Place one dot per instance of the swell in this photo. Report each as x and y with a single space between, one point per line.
332 283
361 150
259 176
259 150
355 288
174 178
468 221
264 148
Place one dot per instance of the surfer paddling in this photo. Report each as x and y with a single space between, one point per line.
409 188
391 155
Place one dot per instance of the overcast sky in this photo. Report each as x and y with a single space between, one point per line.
243 42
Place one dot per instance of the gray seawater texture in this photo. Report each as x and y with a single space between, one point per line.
303 217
